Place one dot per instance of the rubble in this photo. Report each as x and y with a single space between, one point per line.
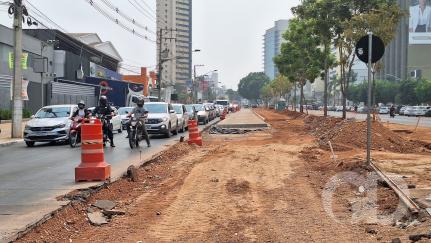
97 218
105 204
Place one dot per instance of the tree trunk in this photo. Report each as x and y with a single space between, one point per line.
301 109
294 97
325 89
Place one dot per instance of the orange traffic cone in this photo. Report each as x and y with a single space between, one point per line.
93 166
194 136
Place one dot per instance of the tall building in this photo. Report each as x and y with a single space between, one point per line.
174 18
395 60
272 44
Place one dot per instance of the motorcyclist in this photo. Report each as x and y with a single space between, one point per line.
140 112
82 112
104 109
392 112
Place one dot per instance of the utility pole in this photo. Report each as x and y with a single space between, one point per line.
17 104
161 60
160 65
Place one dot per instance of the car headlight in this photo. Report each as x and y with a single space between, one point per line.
165 119
27 127
60 126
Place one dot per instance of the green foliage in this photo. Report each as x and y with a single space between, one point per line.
423 91
7 114
407 93
385 92
232 95
249 87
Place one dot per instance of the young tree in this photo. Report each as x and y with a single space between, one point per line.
300 58
357 18
267 93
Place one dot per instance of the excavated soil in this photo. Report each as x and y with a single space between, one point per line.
264 186
347 133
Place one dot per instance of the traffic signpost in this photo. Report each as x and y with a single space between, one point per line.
369 49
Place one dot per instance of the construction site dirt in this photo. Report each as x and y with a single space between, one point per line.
273 185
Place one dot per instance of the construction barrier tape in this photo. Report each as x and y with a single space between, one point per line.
92 151
92 142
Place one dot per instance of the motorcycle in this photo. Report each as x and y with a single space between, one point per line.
135 128
75 132
106 126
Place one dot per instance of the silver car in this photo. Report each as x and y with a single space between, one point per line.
183 116
162 119
50 124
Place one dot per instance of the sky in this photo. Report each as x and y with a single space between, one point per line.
229 33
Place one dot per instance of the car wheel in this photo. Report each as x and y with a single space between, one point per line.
168 134
183 129
120 130
30 144
175 132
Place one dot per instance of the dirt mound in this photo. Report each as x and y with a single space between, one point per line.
354 134
294 114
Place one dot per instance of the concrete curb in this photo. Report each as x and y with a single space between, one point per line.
9 143
261 117
48 216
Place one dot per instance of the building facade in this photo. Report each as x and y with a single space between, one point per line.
174 19
272 44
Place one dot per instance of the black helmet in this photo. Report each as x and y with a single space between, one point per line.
140 102
81 104
103 100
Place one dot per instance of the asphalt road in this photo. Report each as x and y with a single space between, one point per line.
403 120
31 178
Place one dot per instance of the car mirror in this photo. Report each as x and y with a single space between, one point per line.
172 111
32 116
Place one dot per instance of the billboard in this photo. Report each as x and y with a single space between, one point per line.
420 22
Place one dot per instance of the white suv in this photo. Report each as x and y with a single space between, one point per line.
162 119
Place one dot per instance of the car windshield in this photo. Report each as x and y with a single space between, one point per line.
124 110
53 112
178 109
156 108
222 102
199 107
189 108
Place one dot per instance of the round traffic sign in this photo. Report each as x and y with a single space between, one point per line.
378 49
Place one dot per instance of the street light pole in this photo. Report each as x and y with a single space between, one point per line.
370 57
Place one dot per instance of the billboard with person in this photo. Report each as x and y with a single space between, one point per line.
420 22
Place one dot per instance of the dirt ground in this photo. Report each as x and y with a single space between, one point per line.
266 186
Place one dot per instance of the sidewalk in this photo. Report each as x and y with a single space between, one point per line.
5 135
245 118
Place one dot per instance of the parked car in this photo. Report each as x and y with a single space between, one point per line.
362 109
421 110
191 110
428 114
123 112
202 113
183 117
384 110
162 119
211 110
49 124
220 110
115 121
402 110
409 111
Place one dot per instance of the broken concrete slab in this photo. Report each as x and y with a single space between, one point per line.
110 213
105 204
97 219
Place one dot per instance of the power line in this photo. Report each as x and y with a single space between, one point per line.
116 21
149 7
42 15
143 11
131 20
